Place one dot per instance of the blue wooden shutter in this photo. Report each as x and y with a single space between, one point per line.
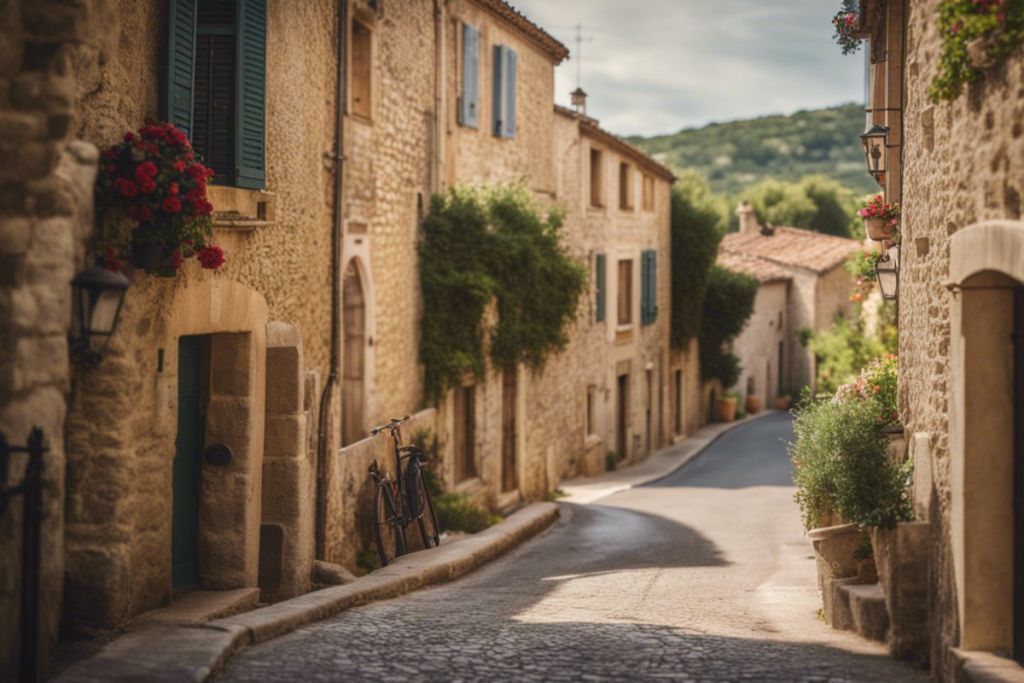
252 87
469 105
644 293
498 91
511 61
178 65
599 273
648 287
653 287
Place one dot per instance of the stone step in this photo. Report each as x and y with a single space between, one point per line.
985 667
867 608
198 607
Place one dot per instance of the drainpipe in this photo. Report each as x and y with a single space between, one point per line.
440 81
338 158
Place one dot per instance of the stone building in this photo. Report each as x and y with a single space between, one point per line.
819 292
955 166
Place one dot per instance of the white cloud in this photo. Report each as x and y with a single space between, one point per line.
655 66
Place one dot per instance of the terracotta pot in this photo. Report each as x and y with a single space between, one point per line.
753 404
725 409
783 402
878 229
867 572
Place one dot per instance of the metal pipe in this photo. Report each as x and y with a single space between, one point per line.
336 228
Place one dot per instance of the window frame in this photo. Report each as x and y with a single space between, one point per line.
595 174
624 306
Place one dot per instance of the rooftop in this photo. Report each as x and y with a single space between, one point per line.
763 270
542 38
792 247
589 126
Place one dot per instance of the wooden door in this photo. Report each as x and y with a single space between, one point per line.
353 370
1018 475
187 465
509 399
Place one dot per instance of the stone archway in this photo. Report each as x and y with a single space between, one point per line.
986 270
353 397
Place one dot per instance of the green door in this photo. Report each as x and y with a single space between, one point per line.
185 514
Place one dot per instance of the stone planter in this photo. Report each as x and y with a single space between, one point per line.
867 571
879 229
834 548
901 555
725 410
783 402
753 404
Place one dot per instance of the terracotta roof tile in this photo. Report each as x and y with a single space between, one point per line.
763 270
545 40
793 247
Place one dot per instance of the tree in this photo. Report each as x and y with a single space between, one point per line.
728 305
698 222
815 203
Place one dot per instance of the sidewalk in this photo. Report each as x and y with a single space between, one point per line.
584 490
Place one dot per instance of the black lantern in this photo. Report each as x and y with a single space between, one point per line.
887 274
98 294
874 141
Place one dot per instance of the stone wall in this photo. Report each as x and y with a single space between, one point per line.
757 345
45 216
947 186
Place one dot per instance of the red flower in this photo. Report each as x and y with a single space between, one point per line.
145 213
129 136
173 189
111 260
179 166
148 186
176 259
171 205
126 187
211 257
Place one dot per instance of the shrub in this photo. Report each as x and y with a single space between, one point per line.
877 383
841 466
495 244
842 352
456 513
611 461
697 227
728 304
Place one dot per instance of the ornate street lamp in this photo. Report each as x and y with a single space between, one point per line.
874 142
887 274
98 295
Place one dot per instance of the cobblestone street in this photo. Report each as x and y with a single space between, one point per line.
703 576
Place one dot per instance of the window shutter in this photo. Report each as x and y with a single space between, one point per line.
653 287
645 282
252 87
470 76
511 61
498 91
599 303
178 64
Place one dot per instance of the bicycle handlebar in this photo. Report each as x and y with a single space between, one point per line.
395 422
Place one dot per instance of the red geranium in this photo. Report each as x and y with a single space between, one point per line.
211 257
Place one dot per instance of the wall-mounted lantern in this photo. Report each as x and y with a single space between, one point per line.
887 273
98 295
874 142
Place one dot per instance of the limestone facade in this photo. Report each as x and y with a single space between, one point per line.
960 274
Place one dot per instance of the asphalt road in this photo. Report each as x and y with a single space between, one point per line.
702 576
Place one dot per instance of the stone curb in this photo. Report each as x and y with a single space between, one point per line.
196 652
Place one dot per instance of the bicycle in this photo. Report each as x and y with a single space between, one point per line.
400 501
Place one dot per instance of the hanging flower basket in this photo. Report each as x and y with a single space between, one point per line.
846 24
151 200
881 219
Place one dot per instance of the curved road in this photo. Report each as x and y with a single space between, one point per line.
702 576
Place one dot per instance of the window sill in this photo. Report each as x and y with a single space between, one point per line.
234 224
624 334
240 209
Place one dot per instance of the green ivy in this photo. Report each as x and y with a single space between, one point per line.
697 228
484 244
728 304
961 21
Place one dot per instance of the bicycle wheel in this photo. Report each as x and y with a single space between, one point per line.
423 509
387 528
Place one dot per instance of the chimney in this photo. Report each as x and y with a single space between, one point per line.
748 221
579 101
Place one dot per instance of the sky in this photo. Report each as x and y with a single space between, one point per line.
657 66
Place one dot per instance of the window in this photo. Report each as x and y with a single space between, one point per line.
677 400
625 187
647 197
648 287
591 407
362 71
596 177
505 60
625 292
213 84
465 433
599 288
468 100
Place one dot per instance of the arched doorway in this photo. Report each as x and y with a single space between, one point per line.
354 360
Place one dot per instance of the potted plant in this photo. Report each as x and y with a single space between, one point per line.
753 404
152 205
881 219
845 22
725 407
784 399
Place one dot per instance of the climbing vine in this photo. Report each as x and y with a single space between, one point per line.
728 305
993 27
493 244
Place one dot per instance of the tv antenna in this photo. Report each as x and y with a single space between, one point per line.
579 40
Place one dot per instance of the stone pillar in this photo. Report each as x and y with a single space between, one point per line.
748 220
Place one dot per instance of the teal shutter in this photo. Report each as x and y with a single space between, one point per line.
250 128
648 287
599 273
653 304
498 91
178 64
644 293
468 106
511 61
